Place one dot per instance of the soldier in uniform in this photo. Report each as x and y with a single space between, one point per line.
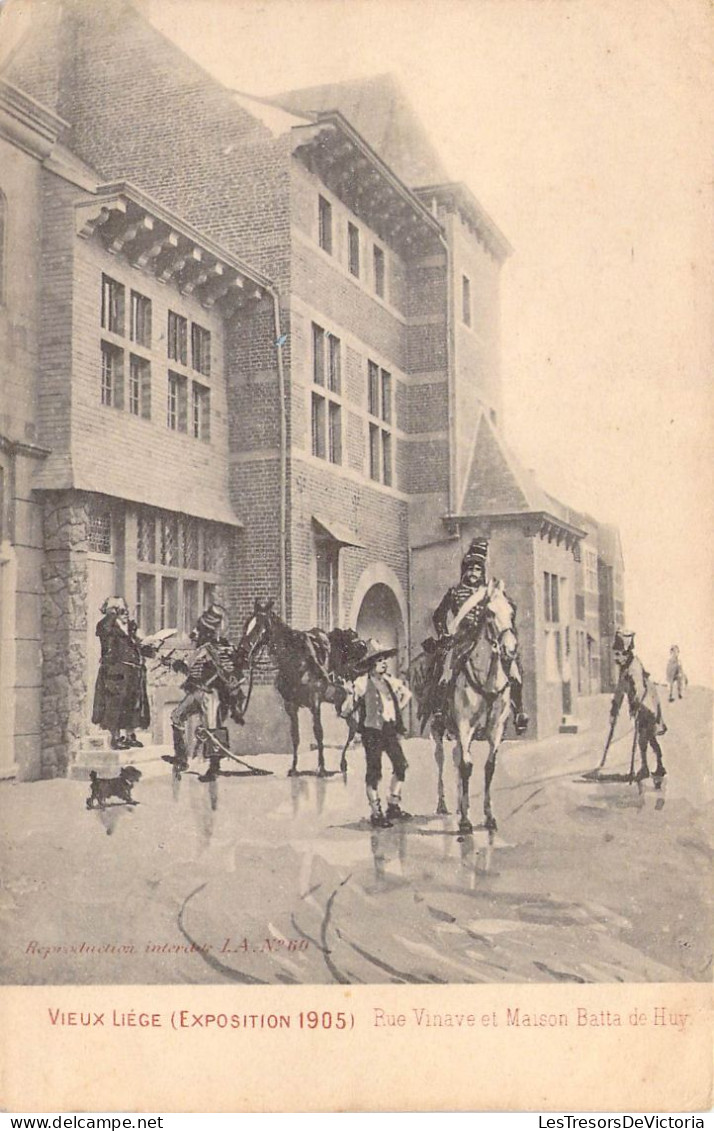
212 689
461 609
637 686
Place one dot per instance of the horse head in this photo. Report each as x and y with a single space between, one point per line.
499 623
256 630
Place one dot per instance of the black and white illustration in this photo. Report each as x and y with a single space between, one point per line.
354 474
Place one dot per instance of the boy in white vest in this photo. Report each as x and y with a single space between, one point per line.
378 699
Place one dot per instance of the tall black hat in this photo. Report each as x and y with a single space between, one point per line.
475 555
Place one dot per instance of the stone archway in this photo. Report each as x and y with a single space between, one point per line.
380 617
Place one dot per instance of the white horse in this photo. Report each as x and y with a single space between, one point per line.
675 674
478 700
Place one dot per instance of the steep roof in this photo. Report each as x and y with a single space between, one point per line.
379 111
496 482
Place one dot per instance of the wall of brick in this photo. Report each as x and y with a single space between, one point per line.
143 111
476 347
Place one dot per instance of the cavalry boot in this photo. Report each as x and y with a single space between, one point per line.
520 718
214 768
180 758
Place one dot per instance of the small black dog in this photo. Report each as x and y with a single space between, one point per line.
121 787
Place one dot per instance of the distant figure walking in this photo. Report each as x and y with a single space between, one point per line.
675 674
637 686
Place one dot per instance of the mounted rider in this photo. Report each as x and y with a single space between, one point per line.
213 689
458 620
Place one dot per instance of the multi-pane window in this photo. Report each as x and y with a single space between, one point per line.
379 405
326 407
139 386
325 224
378 260
353 249
551 597
465 300
112 375
140 320
112 305
100 529
180 560
200 412
326 560
177 340
200 349
176 403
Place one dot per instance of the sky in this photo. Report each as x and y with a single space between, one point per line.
584 127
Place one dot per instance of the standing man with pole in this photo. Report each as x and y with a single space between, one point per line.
636 685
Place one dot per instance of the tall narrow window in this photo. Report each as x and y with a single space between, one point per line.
334 374
112 389
326 560
380 405
112 305
200 412
177 339
318 354
139 386
201 349
379 271
325 224
319 443
176 406
465 300
353 249
140 320
326 405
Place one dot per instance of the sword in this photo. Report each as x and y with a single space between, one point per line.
613 724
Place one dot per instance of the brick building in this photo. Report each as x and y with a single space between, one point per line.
260 357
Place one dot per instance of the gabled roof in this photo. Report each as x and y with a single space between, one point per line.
497 485
377 108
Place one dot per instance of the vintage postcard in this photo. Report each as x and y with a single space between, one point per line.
355 555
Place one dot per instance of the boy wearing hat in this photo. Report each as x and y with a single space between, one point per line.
461 608
378 699
210 689
636 685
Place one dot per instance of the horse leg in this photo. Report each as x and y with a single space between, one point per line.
441 806
495 729
352 731
320 736
294 734
465 768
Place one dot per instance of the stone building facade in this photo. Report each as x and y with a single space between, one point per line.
263 360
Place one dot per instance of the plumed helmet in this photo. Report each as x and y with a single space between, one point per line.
624 641
475 555
211 619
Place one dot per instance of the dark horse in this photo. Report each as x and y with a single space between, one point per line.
312 666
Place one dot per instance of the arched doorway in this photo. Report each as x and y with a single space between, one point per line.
380 616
